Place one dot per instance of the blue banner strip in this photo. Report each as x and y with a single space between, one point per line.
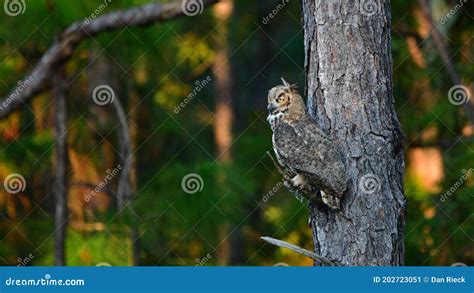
237 279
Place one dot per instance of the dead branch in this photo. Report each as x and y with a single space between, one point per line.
39 79
60 186
299 250
124 189
443 52
277 166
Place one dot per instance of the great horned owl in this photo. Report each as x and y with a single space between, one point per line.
311 160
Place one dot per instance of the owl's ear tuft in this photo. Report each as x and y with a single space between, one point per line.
285 83
292 87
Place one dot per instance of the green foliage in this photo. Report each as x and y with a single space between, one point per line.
160 65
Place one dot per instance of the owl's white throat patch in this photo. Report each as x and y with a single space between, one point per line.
273 119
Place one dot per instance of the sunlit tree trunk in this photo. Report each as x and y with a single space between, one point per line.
223 84
224 114
349 90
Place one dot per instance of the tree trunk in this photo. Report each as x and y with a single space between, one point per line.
223 85
349 89
223 120
133 130
60 181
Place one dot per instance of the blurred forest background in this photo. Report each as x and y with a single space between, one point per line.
195 89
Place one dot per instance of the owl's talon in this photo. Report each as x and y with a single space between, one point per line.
299 182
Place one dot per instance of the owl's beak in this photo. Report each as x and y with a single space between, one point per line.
271 108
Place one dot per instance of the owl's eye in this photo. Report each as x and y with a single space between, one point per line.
280 99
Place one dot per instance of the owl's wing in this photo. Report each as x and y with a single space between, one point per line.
302 147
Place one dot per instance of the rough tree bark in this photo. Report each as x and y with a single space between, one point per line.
60 186
349 90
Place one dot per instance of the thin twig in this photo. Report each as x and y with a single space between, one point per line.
276 164
299 250
440 45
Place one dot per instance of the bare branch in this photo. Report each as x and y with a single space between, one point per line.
39 79
124 188
60 187
277 166
298 249
443 52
